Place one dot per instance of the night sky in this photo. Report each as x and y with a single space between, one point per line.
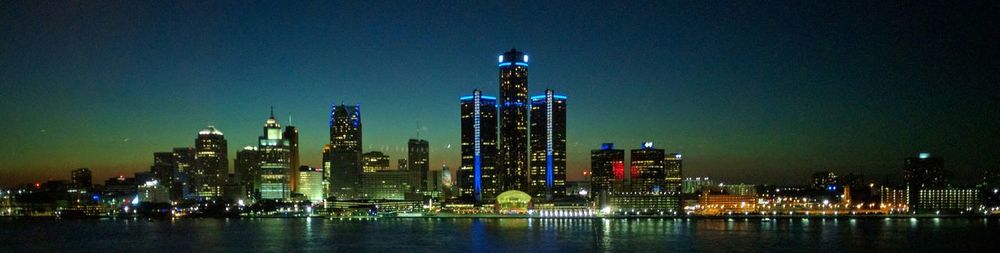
749 91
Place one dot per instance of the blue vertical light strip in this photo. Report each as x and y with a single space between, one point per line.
477 160
548 140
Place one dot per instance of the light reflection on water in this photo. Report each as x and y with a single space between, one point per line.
500 235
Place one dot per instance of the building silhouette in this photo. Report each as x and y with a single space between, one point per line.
344 174
418 155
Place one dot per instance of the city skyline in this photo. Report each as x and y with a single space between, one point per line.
780 112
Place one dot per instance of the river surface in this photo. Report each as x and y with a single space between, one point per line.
501 235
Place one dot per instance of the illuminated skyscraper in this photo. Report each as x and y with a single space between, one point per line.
477 178
922 172
607 168
674 166
418 154
374 161
513 104
274 177
344 174
548 145
647 173
211 163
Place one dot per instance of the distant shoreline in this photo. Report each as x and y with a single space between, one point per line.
688 217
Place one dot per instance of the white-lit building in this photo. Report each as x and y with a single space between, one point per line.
310 183
948 199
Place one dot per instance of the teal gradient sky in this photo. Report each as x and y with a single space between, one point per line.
749 92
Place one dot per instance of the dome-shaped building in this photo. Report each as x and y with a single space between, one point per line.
513 202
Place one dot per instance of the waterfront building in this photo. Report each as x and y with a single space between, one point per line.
644 203
388 185
310 184
922 172
713 204
211 163
513 118
647 172
949 199
478 177
548 145
607 167
374 161
345 170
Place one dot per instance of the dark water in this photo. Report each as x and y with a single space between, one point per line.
502 235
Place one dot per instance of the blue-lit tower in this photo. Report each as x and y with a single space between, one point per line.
477 178
548 145
513 104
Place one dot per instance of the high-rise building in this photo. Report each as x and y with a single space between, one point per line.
548 145
647 173
607 168
247 168
513 103
418 155
477 178
374 161
291 135
922 172
673 163
310 183
82 178
211 163
273 150
345 170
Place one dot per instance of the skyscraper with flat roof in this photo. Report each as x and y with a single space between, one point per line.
418 155
674 166
477 178
548 145
211 163
607 166
647 172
